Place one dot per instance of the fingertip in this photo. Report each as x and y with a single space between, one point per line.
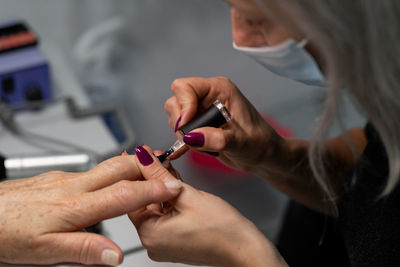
157 153
173 186
111 257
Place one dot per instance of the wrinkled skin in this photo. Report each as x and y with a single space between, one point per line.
41 217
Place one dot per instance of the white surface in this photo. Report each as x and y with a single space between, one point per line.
54 122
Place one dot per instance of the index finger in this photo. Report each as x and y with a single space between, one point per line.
190 92
109 172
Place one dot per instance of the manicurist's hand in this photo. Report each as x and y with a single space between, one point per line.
40 217
198 228
243 143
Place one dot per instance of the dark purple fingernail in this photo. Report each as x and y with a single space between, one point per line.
143 156
194 139
177 123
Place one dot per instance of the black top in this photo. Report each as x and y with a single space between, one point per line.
370 225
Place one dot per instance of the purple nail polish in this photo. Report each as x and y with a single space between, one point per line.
194 139
177 123
143 156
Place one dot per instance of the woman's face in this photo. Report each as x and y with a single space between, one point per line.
254 26
273 12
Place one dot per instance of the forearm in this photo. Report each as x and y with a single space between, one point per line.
286 166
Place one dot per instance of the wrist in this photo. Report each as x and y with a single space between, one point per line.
272 151
280 156
253 249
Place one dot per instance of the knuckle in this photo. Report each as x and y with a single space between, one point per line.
155 173
113 167
124 192
150 242
220 141
152 191
157 189
168 105
146 242
176 84
112 163
56 174
220 146
226 84
223 79
86 247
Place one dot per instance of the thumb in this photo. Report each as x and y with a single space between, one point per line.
84 248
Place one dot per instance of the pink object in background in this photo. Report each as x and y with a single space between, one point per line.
211 163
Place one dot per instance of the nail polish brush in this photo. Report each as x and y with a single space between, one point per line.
215 116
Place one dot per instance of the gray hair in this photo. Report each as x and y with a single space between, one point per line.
359 41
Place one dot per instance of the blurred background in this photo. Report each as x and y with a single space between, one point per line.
126 53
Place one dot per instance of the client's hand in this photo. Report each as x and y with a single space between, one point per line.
198 228
40 217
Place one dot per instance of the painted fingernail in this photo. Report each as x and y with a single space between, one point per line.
110 257
173 186
143 156
177 123
194 139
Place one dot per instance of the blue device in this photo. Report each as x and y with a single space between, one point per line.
24 71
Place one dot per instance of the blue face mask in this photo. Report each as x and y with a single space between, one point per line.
288 59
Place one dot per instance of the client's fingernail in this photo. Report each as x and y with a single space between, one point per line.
143 156
110 257
173 186
177 123
123 152
194 139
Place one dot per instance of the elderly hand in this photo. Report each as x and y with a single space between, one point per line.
243 143
198 228
40 217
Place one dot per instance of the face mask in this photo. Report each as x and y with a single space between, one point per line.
288 59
